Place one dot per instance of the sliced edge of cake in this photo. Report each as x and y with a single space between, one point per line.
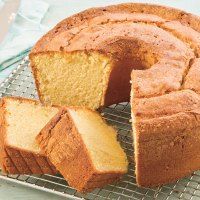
83 148
20 121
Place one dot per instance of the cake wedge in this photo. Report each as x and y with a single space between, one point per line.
83 148
20 121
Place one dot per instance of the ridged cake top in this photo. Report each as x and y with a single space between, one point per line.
166 40
134 12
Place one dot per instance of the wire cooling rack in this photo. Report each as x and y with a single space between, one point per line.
20 83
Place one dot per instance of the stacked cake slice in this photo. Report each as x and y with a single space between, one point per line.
21 120
77 141
83 148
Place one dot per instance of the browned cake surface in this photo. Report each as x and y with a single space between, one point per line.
192 80
166 137
64 146
125 12
14 159
160 47
133 37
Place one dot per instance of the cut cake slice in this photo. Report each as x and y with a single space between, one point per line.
83 148
20 121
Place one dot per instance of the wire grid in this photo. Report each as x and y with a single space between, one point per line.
20 83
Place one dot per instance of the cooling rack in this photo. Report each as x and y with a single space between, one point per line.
20 83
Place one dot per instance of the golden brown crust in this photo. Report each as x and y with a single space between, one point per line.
192 80
162 78
134 38
63 145
171 157
165 105
92 30
165 12
185 33
166 137
19 161
168 145
85 16
139 47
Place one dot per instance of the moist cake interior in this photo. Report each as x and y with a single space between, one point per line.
24 121
100 141
68 74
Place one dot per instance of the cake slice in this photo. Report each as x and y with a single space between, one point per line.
20 121
83 148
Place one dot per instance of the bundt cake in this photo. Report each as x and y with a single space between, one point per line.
166 136
83 148
89 59
20 121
